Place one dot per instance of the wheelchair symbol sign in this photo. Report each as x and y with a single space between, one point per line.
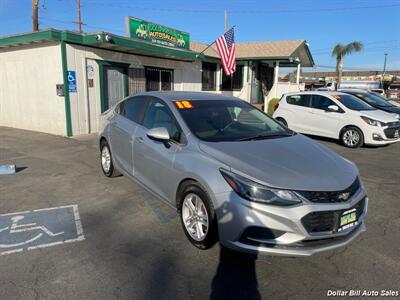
71 77
39 228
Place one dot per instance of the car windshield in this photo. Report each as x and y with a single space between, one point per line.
228 120
373 99
353 103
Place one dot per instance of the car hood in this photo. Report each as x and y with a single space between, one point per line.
379 115
294 162
391 109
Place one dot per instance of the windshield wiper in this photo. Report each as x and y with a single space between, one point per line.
265 136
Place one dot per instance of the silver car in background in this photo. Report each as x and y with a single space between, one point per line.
234 174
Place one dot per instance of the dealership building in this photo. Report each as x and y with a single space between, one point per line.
59 82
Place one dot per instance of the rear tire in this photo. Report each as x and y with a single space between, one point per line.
106 160
352 137
197 216
282 121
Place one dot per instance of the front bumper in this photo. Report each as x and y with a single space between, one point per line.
374 135
281 230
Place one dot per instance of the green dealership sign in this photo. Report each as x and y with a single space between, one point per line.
157 34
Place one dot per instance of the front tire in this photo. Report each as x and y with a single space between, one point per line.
198 216
107 164
352 137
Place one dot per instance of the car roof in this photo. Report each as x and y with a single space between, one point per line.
354 91
174 96
323 93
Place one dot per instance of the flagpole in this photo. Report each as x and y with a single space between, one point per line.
198 55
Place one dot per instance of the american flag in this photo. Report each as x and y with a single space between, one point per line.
226 49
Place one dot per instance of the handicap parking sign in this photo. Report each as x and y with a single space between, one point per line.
39 228
71 77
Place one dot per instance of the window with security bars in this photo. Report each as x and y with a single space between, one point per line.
233 82
158 79
208 76
136 81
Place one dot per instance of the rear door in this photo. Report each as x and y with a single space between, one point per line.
324 123
122 131
298 107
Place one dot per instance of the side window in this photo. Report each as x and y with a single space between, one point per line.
321 102
159 115
299 100
133 108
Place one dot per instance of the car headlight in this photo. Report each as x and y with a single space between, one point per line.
256 192
373 122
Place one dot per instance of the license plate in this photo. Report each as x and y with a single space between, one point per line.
348 219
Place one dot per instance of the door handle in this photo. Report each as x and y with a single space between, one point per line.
139 140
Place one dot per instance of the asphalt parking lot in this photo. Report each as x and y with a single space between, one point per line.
134 247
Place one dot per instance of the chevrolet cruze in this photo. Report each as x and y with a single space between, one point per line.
234 174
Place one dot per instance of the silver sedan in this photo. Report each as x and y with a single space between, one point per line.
234 174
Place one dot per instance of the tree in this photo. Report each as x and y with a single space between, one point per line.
339 52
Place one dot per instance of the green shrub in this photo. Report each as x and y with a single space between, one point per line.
271 105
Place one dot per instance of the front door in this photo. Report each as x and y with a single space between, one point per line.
325 123
115 85
153 161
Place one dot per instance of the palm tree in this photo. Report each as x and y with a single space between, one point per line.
340 51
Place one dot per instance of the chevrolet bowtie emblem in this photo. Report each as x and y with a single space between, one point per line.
344 196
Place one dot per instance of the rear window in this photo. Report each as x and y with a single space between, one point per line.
299 100
133 108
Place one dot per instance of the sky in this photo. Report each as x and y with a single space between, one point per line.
323 23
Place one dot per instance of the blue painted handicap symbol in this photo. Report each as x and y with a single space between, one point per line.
39 228
71 77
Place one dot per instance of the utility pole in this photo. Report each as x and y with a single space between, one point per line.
79 22
225 20
35 15
384 64
384 71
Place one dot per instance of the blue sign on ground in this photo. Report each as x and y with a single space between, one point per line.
39 228
71 77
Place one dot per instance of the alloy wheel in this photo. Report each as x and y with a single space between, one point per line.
351 137
195 217
105 159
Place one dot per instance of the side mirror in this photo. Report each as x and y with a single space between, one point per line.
332 108
159 134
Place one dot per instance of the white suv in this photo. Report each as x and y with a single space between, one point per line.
337 115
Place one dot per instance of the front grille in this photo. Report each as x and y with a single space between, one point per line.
393 124
332 197
390 132
322 221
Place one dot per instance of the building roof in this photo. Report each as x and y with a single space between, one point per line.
272 50
284 51
102 40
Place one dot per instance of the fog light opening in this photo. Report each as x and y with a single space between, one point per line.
377 137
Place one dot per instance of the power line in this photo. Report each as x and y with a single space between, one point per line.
189 10
86 25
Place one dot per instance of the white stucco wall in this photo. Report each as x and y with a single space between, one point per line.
85 104
28 78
